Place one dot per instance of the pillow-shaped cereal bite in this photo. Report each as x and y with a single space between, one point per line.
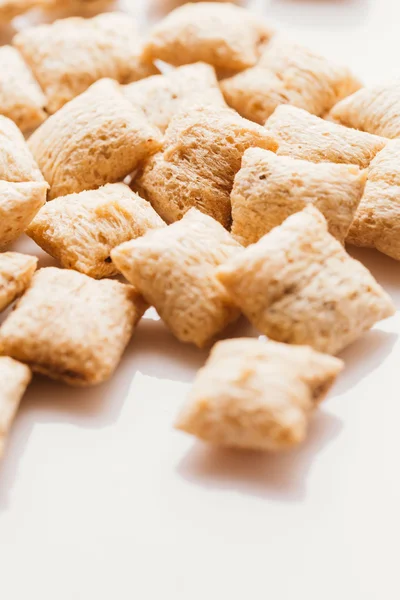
14 379
16 272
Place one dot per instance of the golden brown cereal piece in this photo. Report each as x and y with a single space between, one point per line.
97 138
80 230
14 379
223 35
256 395
16 161
16 271
377 221
202 152
373 109
268 188
19 203
70 54
21 99
302 135
162 96
12 8
174 269
298 285
71 327
288 73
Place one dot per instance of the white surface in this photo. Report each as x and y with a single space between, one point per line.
101 499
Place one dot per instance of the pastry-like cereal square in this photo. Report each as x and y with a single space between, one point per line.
16 271
373 109
19 203
21 99
71 327
162 96
202 152
377 220
223 35
258 396
269 188
14 379
288 73
302 135
80 230
67 56
97 138
298 285
174 269
16 161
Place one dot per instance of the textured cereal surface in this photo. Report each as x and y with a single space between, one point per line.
14 379
373 109
16 161
202 152
268 188
97 138
21 98
223 35
12 8
19 203
288 73
257 395
298 285
67 56
173 268
80 230
302 135
163 96
71 327
16 271
377 221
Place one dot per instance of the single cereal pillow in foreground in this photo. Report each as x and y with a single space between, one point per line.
223 35
162 96
302 135
174 269
257 395
377 220
16 271
288 73
71 327
203 148
269 188
97 138
373 109
14 379
298 285
80 230
67 56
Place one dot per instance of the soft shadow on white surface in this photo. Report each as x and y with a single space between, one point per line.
328 14
280 477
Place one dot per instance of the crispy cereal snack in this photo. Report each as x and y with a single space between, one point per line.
12 8
257 395
174 269
298 285
71 327
269 188
97 138
80 230
16 272
14 379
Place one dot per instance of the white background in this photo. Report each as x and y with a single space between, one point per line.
101 499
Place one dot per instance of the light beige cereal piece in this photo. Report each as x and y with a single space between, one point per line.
174 270
21 99
373 109
268 188
12 8
302 135
203 148
162 96
67 56
19 203
71 327
288 73
298 285
377 221
14 379
16 271
258 396
223 35
16 161
97 138
80 230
